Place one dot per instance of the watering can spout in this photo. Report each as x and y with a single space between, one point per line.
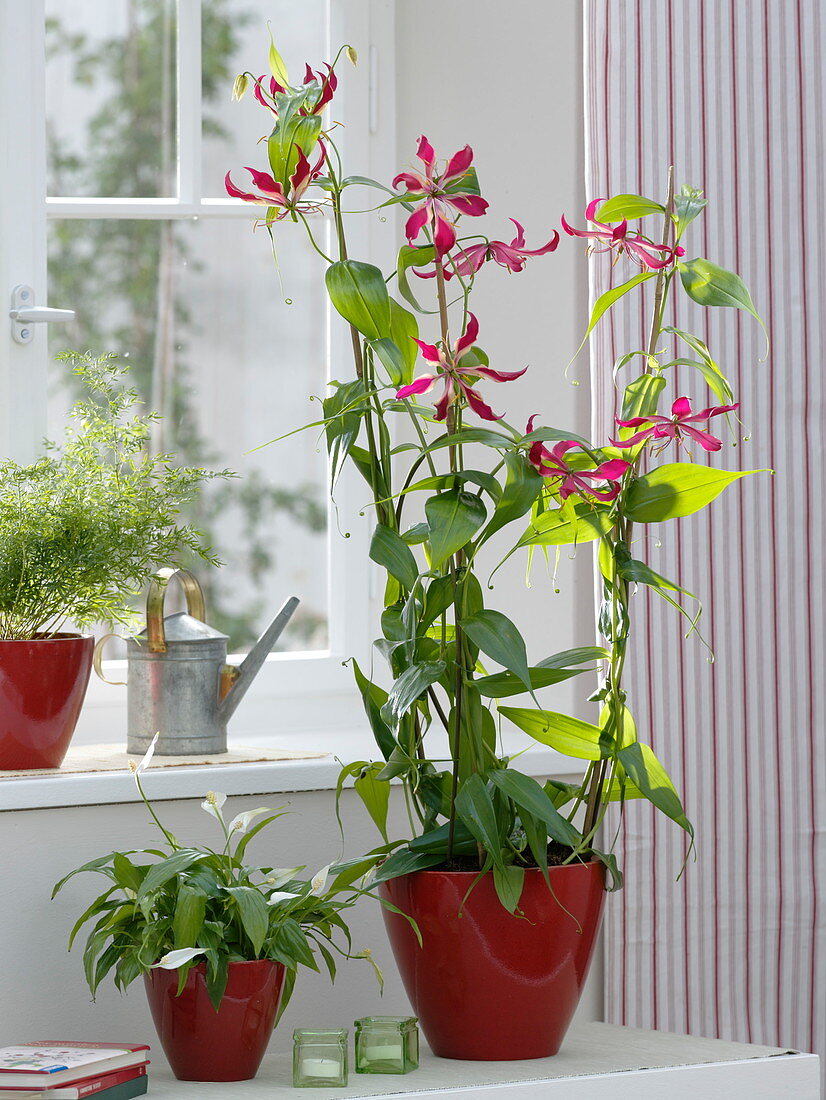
235 681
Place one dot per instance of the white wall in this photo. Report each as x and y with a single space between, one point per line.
505 79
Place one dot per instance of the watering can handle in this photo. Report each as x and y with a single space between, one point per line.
195 604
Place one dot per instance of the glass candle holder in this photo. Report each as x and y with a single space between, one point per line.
387 1044
319 1057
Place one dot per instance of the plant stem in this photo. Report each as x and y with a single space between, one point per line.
620 610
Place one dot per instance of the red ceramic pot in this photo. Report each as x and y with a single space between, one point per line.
42 685
204 1045
487 985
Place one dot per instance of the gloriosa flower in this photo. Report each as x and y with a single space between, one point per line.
327 84
680 423
552 464
617 239
454 378
441 206
271 192
512 256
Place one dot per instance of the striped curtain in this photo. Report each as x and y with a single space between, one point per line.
732 93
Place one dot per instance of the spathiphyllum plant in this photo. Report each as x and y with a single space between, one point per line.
446 473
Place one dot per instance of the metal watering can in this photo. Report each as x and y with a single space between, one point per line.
179 683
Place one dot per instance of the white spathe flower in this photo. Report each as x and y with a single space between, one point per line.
280 895
147 758
213 803
173 959
280 875
319 881
241 822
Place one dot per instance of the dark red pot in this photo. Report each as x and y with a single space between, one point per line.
486 985
204 1045
42 685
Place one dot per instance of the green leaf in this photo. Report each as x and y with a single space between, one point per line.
375 794
628 206
522 487
677 489
529 795
609 298
160 873
581 656
391 358
504 684
253 911
277 66
715 378
127 875
373 697
484 436
508 881
189 915
710 285
475 808
454 517
412 683
498 638
556 529
405 862
438 598
358 292
563 733
291 939
651 778
412 256
404 329
688 203
391 552
641 397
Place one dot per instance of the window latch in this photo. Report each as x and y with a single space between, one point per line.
24 313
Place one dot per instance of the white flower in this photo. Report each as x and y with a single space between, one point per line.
241 822
173 959
280 875
144 764
319 881
280 895
213 803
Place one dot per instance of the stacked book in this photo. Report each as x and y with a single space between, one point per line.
71 1070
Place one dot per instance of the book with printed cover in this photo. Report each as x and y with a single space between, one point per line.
119 1084
39 1066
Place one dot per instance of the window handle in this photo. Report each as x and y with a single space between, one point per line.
24 313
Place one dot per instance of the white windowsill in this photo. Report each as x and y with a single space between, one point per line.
271 777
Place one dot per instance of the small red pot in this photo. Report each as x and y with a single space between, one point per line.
204 1045
42 685
485 984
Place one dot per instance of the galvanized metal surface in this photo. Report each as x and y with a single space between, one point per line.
179 684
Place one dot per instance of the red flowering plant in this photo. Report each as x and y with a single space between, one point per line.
437 501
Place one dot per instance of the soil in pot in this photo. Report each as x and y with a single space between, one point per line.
204 1045
488 985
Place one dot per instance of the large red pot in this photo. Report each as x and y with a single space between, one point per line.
487 985
204 1045
42 685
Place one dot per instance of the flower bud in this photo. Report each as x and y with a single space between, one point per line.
240 86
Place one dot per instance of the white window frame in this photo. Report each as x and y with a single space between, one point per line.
294 692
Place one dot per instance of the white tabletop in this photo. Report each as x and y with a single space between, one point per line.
596 1061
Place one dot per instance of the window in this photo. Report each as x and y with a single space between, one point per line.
120 185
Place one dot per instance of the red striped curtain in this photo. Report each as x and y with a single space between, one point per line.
732 93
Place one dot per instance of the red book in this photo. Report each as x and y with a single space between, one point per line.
39 1066
89 1086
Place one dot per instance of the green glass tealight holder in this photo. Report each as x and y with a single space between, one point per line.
387 1044
319 1057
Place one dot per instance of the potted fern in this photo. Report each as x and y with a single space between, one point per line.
502 876
80 530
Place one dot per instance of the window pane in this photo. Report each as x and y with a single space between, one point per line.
110 98
198 309
235 40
